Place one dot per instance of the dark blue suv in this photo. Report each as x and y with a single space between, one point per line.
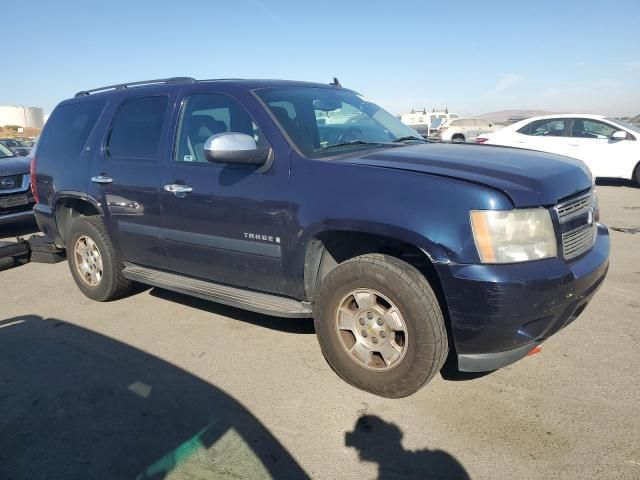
307 200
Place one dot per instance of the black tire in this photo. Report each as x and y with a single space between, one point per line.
407 288
636 175
458 139
112 283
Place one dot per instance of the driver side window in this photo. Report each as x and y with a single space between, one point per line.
207 114
585 128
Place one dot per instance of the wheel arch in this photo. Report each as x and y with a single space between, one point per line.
328 248
68 206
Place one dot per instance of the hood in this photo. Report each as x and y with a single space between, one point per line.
528 177
14 166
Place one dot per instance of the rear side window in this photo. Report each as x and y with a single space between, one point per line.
137 128
68 129
545 128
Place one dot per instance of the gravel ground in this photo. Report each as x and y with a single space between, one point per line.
159 385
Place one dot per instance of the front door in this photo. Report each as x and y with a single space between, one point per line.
591 142
231 225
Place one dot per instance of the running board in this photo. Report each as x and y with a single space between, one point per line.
235 297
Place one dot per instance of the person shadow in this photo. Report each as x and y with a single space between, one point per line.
379 441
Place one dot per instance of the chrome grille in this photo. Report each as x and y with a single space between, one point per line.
575 207
578 241
580 215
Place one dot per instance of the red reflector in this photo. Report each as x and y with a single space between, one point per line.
481 139
534 350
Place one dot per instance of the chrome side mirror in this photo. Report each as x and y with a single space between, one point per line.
619 135
233 147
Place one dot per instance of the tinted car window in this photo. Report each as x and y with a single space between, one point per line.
456 123
137 128
5 152
584 128
481 123
68 128
546 128
207 114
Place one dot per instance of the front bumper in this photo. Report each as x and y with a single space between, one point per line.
499 313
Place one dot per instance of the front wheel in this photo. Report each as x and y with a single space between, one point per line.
379 325
636 175
457 139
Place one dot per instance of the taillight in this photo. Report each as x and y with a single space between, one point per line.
481 139
32 174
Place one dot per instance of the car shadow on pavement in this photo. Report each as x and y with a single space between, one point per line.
18 229
379 441
287 325
76 405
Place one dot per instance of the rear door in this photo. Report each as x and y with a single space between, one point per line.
547 135
126 175
232 226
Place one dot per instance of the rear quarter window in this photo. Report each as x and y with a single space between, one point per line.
68 129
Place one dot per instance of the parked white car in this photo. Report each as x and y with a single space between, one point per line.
609 147
460 130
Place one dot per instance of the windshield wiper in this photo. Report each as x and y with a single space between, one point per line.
359 142
410 137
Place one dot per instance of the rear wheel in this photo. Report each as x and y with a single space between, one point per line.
380 326
93 261
636 175
458 139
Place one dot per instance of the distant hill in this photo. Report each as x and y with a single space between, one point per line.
506 115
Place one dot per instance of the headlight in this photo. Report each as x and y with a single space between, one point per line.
509 236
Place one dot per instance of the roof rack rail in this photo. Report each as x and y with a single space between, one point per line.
122 86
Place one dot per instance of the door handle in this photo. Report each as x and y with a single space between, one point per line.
573 145
178 190
102 179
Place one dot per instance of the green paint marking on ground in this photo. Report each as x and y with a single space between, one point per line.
177 456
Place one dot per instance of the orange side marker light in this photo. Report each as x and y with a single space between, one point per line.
534 350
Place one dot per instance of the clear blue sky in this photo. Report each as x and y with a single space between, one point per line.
473 56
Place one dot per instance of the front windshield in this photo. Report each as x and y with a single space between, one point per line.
323 122
620 123
5 152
